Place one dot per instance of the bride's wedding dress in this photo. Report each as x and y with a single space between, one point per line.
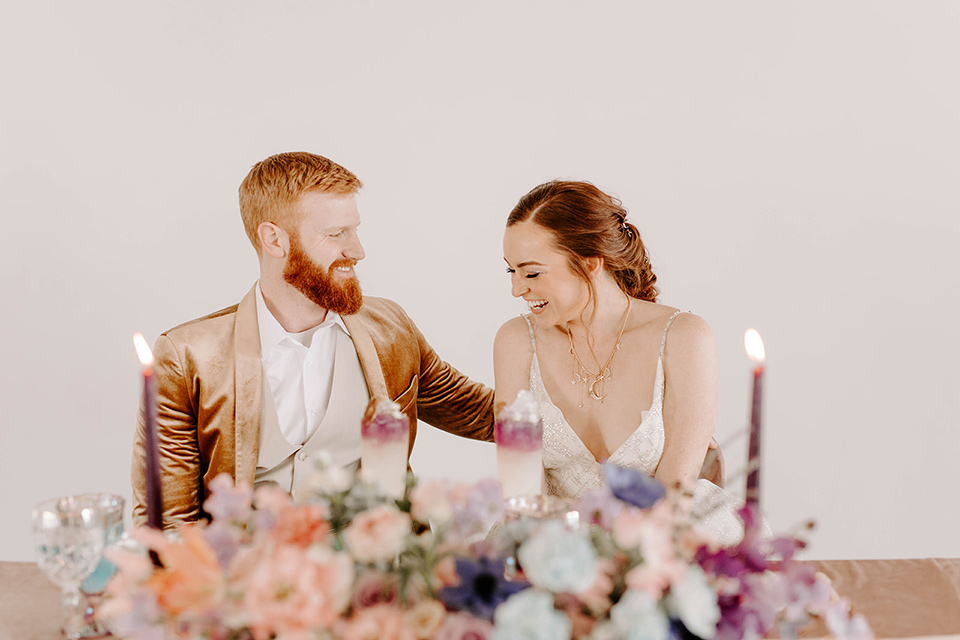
570 468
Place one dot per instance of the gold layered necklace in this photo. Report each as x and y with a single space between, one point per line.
594 381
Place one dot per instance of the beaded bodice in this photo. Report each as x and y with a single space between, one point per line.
569 467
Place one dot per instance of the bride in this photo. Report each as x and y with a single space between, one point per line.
617 375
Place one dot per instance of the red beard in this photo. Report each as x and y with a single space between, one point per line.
319 286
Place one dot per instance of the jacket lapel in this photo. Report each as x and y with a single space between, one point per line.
248 388
367 353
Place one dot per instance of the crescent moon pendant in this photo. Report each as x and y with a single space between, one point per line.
593 390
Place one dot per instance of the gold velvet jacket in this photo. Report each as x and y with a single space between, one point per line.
208 374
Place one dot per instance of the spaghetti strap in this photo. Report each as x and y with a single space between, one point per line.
663 340
533 340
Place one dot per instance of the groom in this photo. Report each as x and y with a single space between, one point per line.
260 389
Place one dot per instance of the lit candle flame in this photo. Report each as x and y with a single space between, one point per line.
143 349
754 346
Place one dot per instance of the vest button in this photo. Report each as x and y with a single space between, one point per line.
301 456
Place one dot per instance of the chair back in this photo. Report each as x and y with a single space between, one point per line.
713 465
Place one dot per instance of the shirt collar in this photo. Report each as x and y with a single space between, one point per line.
272 332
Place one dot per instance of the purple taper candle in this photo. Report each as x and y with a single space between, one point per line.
754 347
154 497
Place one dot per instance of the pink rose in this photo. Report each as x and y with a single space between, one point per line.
296 590
463 626
597 596
627 527
380 622
378 534
373 588
445 572
655 575
581 623
430 502
271 499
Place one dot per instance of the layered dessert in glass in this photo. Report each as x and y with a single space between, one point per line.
385 440
519 436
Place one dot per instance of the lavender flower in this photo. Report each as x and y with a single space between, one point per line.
846 627
482 507
632 486
228 502
225 540
482 587
599 507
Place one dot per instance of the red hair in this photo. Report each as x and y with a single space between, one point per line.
273 186
587 223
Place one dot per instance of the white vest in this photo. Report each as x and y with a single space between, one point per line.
289 465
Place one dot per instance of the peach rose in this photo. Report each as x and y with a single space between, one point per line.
425 618
301 525
191 579
378 534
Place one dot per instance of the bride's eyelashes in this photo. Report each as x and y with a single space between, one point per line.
511 271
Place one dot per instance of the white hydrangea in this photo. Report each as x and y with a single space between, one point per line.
694 602
558 559
637 617
529 615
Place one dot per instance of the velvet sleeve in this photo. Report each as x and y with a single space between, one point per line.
180 467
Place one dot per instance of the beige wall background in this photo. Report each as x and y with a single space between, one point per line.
792 166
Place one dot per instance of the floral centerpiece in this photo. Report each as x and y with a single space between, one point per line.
449 561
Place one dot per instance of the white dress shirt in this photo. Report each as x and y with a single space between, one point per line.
299 369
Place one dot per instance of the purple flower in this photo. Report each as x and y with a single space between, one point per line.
479 510
226 501
632 486
225 540
753 554
482 587
845 626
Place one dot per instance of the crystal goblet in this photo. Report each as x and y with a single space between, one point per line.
110 508
68 535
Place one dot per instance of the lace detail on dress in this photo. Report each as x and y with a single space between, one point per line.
570 469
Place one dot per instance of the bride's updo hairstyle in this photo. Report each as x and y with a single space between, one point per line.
588 223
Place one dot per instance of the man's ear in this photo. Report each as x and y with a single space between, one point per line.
274 240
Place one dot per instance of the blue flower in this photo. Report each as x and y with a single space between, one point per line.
530 616
632 486
482 587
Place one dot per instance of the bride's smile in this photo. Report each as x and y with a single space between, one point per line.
542 276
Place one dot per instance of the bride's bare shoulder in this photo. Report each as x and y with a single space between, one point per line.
513 334
658 314
686 328
689 336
